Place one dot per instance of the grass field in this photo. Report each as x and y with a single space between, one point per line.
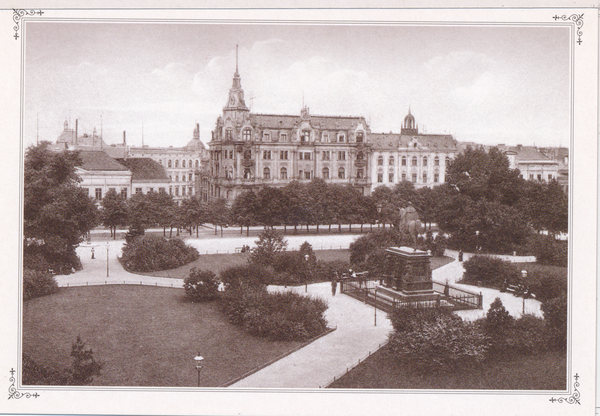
146 336
219 262
545 371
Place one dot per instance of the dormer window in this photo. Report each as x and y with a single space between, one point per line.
267 137
228 134
305 138
326 137
341 138
246 135
359 137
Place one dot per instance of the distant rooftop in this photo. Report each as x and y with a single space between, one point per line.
99 161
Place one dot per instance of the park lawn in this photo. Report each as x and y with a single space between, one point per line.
220 262
544 371
146 336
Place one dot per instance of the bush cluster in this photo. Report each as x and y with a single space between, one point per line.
555 316
490 271
151 253
547 282
436 341
247 276
548 250
201 285
38 283
279 316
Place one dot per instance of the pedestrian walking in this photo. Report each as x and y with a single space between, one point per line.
333 287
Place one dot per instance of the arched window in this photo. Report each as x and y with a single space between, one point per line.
169 163
425 161
246 134
176 163
341 173
176 178
360 137
190 164
183 163
197 163
380 161
228 134
325 173
305 138
414 161
360 156
447 160
391 161
403 160
283 173
436 161
267 173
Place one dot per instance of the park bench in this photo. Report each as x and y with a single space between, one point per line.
518 290
239 249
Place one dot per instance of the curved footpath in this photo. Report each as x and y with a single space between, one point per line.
315 365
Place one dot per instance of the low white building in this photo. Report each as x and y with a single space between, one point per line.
410 156
532 163
100 173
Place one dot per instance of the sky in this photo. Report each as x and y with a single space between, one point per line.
485 84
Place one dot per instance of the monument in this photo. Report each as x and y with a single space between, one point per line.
407 268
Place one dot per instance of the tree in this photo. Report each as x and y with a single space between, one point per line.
245 210
85 366
201 285
218 213
546 206
270 242
273 205
57 212
114 212
193 213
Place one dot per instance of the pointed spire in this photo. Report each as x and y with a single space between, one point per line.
236 59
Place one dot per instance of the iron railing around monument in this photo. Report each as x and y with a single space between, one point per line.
447 296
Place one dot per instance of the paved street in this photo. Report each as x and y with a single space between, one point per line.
315 365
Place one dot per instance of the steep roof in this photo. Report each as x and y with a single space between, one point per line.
143 168
528 153
98 160
386 141
275 121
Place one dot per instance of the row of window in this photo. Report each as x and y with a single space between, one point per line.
190 177
304 136
172 190
414 161
283 173
170 163
413 177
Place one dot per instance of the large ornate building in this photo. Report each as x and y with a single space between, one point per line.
249 151
411 156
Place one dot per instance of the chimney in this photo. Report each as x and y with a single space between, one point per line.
76 129
124 138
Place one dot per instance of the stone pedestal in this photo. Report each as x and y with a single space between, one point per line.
408 272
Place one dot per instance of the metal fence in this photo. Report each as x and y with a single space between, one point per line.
445 296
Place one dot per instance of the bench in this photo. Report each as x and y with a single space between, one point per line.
239 249
518 290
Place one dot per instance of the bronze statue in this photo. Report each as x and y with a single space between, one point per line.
409 222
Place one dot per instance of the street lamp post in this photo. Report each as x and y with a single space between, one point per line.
524 276
107 251
477 241
198 361
375 304
307 258
379 208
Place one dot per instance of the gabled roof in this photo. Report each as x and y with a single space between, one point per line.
433 142
99 161
143 168
527 153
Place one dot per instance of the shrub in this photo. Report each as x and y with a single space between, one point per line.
84 366
548 251
201 285
547 282
269 243
555 315
442 342
365 246
284 316
38 283
38 374
247 276
490 271
292 266
151 253
409 319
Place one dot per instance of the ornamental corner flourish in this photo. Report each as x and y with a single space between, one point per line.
577 19
573 398
18 14
13 393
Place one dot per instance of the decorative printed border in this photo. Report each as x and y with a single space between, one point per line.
578 19
13 393
574 398
18 15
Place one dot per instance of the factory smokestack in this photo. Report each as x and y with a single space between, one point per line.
124 138
76 129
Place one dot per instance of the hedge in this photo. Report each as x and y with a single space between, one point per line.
38 283
490 271
150 253
284 316
201 285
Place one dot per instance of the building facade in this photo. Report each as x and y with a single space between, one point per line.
249 151
533 164
411 156
183 165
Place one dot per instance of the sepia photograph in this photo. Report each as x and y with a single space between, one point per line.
301 211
